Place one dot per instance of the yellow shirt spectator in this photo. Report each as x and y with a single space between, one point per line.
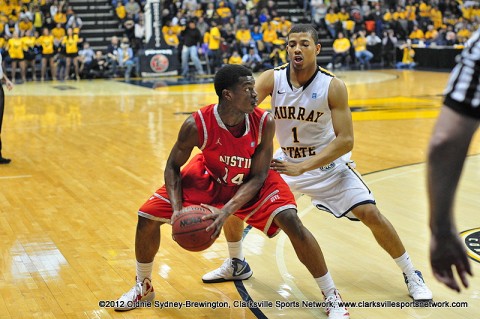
15 48
71 44
58 33
235 59
360 44
120 11
214 39
417 34
171 39
387 17
424 10
436 17
28 42
331 18
341 45
25 25
223 11
243 35
270 35
3 42
431 34
60 18
408 54
343 16
46 42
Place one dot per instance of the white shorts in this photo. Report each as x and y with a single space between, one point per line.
336 188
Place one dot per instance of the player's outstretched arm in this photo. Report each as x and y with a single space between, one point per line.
447 151
186 141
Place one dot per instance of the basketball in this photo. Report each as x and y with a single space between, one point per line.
188 228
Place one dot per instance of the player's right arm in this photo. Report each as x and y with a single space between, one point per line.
181 151
447 151
264 85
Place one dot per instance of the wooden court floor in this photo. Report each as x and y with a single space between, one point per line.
87 154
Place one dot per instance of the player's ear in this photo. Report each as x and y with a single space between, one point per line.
319 47
227 94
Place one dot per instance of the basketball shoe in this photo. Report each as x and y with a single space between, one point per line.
141 292
334 306
231 269
417 289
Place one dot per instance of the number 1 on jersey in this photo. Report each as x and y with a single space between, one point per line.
295 136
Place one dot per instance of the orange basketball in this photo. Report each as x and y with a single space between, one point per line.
188 228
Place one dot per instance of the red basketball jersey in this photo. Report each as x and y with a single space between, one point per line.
228 158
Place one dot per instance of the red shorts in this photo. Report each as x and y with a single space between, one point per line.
200 188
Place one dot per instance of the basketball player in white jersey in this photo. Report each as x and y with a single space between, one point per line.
9 84
315 131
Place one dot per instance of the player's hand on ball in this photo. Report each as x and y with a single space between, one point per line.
286 168
219 218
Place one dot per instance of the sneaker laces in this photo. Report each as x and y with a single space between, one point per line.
417 282
226 267
333 304
134 292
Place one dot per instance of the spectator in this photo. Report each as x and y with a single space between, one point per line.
333 23
99 67
46 42
132 8
112 55
278 56
257 38
202 25
223 11
252 60
139 33
269 36
58 34
86 57
341 49
30 53
416 35
70 43
408 57
389 48
125 58
74 20
191 42
15 51
235 58
214 38
171 39
120 11
431 34
373 39
244 39
319 10
361 53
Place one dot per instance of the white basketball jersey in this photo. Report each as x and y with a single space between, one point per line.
302 115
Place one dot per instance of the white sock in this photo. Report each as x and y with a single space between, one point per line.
144 271
235 249
326 284
405 264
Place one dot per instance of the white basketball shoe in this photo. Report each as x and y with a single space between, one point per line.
334 306
231 269
142 292
417 289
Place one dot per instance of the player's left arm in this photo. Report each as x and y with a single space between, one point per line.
343 127
258 173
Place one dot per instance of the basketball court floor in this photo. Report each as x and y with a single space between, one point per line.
87 154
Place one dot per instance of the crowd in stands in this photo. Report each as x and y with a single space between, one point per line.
210 33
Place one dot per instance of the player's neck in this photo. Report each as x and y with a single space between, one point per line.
300 77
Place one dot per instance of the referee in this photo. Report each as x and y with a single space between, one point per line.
9 84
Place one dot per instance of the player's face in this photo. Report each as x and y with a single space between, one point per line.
245 96
302 50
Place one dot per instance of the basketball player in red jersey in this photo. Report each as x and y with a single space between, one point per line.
315 132
230 176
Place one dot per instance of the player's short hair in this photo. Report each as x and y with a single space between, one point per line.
228 76
304 28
